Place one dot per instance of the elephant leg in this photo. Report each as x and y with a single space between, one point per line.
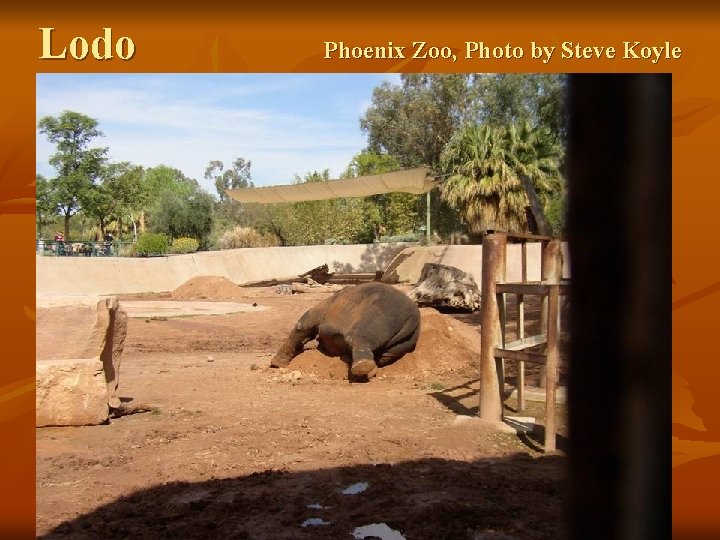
397 349
363 360
305 330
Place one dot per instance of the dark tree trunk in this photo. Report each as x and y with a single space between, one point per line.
67 217
535 207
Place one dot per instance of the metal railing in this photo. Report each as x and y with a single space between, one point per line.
115 248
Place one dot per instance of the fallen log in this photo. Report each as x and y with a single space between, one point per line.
351 278
298 287
320 274
442 286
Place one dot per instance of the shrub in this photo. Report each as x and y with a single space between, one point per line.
127 250
184 245
152 244
244 237
407 237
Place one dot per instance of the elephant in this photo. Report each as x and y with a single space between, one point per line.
369 325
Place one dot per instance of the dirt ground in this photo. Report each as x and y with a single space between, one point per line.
215 444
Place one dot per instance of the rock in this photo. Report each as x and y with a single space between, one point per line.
291 377
284 289
70 393
461 419
481 424
79 345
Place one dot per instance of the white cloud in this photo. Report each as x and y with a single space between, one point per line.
187 122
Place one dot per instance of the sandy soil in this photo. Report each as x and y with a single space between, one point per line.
219 445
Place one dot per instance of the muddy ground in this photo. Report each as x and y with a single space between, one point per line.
215 444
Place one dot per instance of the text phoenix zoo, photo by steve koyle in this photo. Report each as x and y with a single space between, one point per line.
106 46
479 50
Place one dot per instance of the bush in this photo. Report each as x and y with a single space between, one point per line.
555 215
184 245
127 250
152 244
244 237
407 237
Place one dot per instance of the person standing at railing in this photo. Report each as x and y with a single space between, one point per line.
108 243
59 243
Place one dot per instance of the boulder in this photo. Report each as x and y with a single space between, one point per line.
79 344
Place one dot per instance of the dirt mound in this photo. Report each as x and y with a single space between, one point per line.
445 346
207 287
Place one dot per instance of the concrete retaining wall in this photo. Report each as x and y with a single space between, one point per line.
408 264
121 275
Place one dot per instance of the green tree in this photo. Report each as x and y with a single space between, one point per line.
76 164
124 181
389 214
236 177
485 164
314 222
165 178
114 196
155 183
45 203
273 219
503 99
414 121
229 212
184 216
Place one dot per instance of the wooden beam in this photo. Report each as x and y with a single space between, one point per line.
525 356
521 236
536 288
524 343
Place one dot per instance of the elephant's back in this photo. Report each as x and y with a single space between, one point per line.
375 306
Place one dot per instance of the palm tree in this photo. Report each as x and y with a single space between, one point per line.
486 165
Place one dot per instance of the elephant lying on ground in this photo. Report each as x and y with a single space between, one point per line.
370 325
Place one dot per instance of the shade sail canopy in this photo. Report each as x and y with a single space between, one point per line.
408 181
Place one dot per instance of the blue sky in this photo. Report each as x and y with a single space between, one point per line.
285 124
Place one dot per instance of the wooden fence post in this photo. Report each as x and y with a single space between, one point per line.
551 270
552 355
521 331
493 271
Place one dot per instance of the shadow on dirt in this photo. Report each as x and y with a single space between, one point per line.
452 398
456 399
514 497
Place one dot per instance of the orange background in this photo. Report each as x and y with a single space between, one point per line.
203 38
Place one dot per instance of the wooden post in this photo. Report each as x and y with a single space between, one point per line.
552 368
493 271
500 362
427 216
551 272
521 332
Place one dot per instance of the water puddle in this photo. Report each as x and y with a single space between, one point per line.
315 522
318 506
355 488
377 530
